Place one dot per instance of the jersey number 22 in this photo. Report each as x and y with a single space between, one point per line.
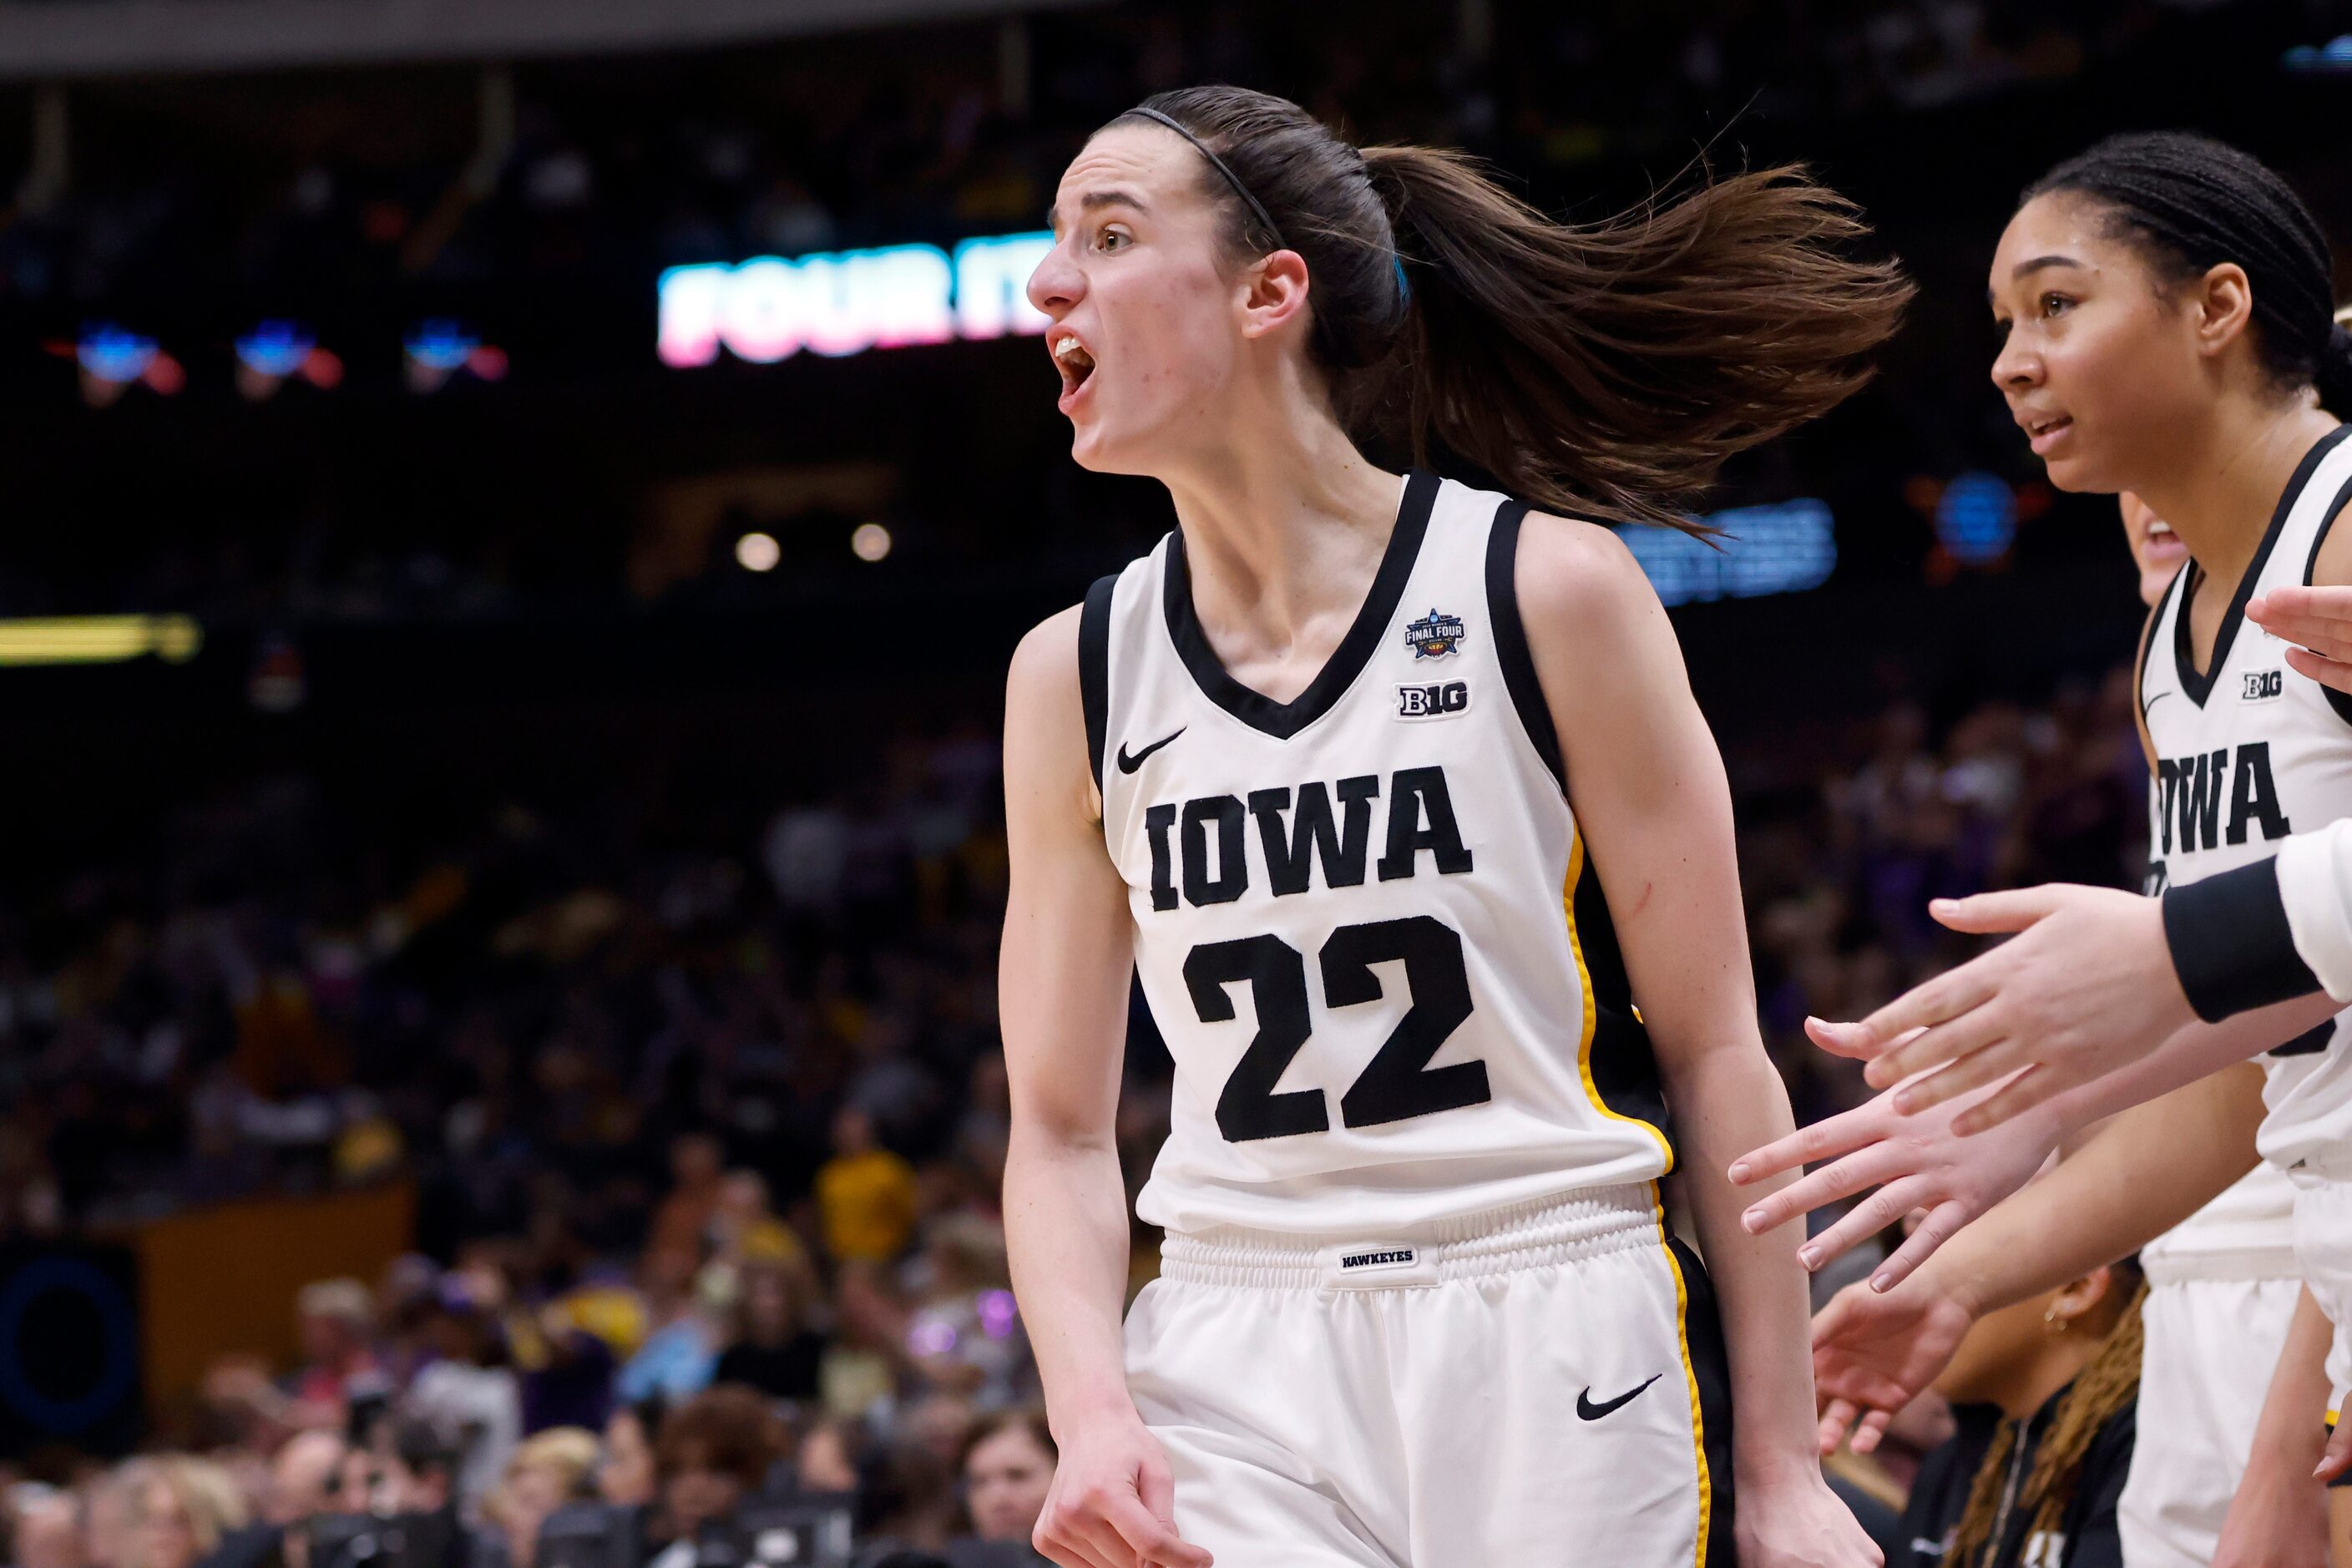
1397 1083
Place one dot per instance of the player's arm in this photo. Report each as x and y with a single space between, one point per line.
2098 978
1062 982
1876 1346
1651 798
1939 1161
2278 1516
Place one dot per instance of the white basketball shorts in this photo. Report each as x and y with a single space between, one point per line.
2323 1251
1540 1385
2211 1346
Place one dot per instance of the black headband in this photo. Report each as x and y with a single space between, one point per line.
1219 164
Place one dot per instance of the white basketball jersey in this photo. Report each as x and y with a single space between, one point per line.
1364 919
2247 753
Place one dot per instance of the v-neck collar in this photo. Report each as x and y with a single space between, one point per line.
2198 686
1254 707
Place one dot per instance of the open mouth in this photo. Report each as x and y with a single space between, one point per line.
2160 542
1071 358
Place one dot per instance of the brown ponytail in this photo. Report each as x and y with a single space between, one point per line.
1603 369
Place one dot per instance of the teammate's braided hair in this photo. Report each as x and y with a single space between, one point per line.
2188 204
1604 369
2108 1383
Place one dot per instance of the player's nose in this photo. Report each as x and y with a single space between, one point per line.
1058 283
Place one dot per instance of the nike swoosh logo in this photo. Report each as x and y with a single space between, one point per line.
2152 702
1591 1412
1129 762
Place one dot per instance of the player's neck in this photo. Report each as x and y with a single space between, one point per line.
2062 1360
1282 528
2219 499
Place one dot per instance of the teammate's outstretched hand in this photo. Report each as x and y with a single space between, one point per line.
1113 1503
1874 1353
2086 987
1916 1161
2318 622
1794 1521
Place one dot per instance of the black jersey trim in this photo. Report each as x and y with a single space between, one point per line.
2199 687
2231 943
1511 637
1283 719
2140 699
1620 1069
1709 1365
1094 668
2335 700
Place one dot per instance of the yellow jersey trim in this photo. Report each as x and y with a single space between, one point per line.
1690 1380
1592 1016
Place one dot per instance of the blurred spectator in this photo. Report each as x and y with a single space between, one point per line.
965 1335
45 1528
2046 1392
772 1348
1008 1468
826 1463
467 1389
865 1193
906 1500
626 1476
682 1299
407 1466
179 1510
305 1478
685 1215
548 1471
713 1452
334 1321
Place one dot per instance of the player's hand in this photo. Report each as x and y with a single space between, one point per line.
1792 1520
1113 1502
2318 623
2086 987
1874 1353
2337 1457
1916 1163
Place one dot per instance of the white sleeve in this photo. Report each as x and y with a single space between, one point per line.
2314 880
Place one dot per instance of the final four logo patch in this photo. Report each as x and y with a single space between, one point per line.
1435 634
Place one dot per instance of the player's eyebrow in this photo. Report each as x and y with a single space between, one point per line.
2024 269
1113 197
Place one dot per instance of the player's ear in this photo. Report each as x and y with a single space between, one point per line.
1276 294
2223 304
2080 1297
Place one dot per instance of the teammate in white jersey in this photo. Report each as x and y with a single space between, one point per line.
2222 1292
2166 302
1307 769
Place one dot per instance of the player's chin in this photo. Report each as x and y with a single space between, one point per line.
1099 451
2079 472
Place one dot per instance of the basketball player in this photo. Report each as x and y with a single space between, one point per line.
2178 1180
1307 769
2166 305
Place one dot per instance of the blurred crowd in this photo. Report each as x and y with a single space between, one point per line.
915 135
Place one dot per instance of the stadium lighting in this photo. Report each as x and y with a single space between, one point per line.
844 303
757 552
1781 548
869 541
99 639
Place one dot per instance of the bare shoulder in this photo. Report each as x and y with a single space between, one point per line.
1577 581
1045 663
1046 762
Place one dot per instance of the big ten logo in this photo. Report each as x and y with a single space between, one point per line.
2263 685
1442 700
